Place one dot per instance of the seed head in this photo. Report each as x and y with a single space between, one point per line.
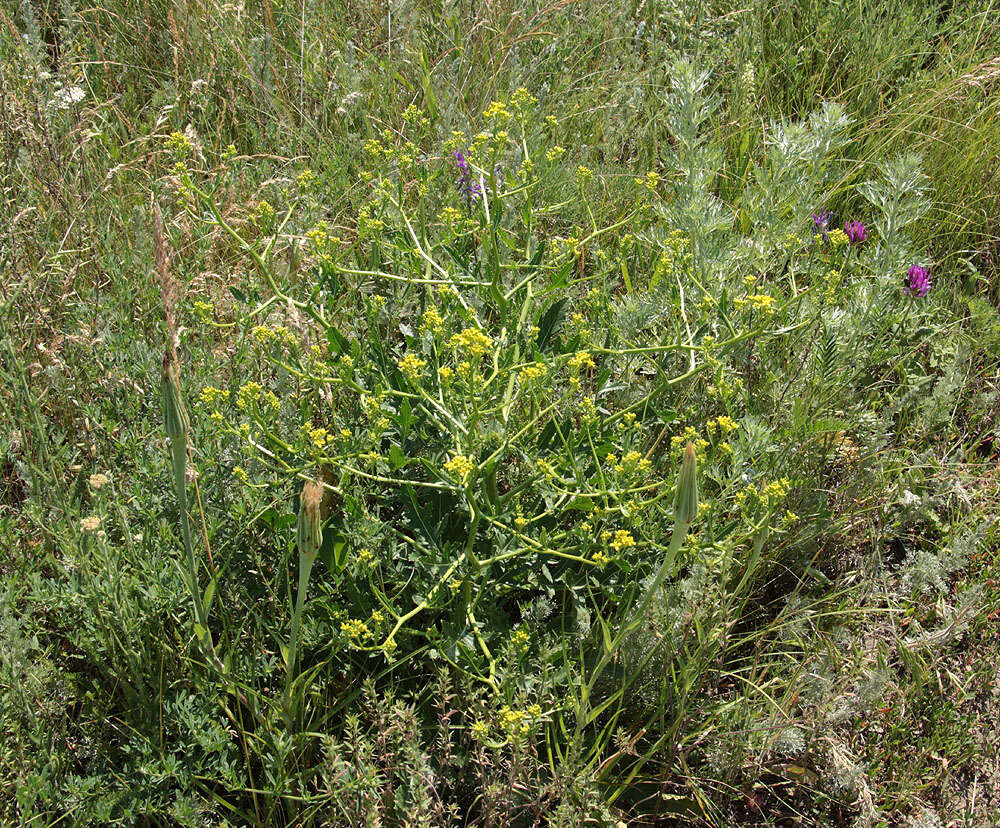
686 499
309 529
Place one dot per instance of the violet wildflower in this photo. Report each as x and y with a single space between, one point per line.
917 282
856 231
469 185
821 223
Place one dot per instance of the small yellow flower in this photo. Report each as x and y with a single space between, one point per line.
777 489
356 630
837 238
622 540
725 425
248 394
320 437
412 366
471 341
459 466
203 310
432 321
530 372
211 395
498 110
581 360
522 98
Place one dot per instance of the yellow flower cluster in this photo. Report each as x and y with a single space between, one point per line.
356 630
98 481
450 216
179 144
531 372
460 466
689 435
674 257
758 301
471 341
622 539
581 360
520 639
522 98
210 395
412 366
203 310
319 236
725 425
570 244
432 320
725 387
837 238
248 394
555 153
650 182
90 524
514 722
777 489
498 110
633 461
319 437
847 449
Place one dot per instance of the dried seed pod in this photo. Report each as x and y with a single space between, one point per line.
175 418
686 499
309 528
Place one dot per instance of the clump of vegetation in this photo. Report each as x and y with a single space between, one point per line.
476 424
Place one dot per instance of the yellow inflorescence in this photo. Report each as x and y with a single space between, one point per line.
460 466
471 341
581 360
412 366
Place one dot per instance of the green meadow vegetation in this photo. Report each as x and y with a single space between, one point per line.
542 413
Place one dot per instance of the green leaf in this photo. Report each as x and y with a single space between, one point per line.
337 341
334 549
209 595
550 322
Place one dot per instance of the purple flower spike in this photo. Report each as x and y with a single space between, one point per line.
468 184
917 282
821 222
856 231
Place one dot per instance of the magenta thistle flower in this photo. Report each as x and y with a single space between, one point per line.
856 231
917 282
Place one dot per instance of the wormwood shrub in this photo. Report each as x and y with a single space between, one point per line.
488 406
